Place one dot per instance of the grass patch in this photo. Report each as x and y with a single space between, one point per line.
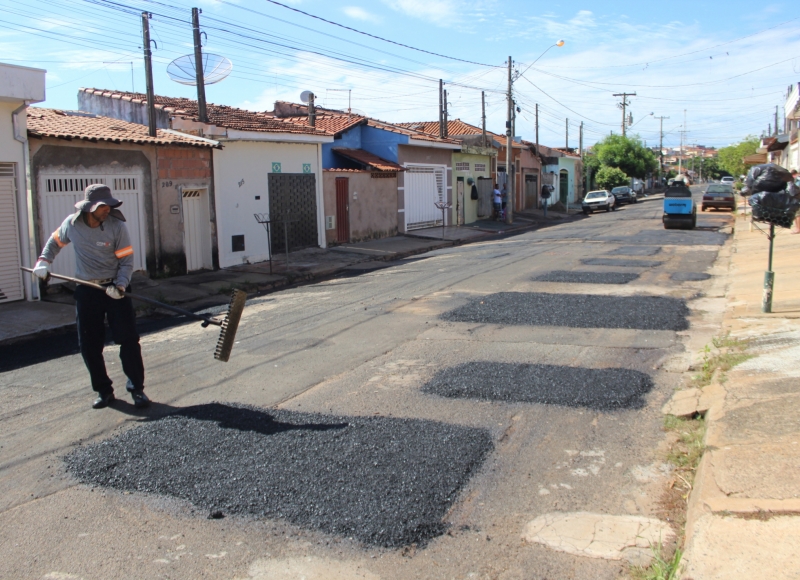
686 452
665 566
720 356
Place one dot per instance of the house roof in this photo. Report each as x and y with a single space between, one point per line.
454 127
329 120
368 159
411 133
219 115
89 127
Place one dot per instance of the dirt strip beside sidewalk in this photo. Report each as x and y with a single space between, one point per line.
744 510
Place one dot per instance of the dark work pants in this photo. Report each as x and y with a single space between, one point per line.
92 307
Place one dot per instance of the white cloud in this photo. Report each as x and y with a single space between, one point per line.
361 14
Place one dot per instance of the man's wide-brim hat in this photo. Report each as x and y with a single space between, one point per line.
96 195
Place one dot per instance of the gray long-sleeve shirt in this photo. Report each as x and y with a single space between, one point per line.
101 253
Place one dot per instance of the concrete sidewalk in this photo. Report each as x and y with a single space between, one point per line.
744 510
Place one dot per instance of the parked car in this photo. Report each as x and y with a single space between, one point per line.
597 200
727 179
718 197
624 194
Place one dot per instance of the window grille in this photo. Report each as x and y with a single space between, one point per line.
8 169
124 183
462 166
480 167
67 184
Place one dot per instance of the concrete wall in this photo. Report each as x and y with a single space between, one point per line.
118 108
384 144
241 175
372 201
470 205
21 83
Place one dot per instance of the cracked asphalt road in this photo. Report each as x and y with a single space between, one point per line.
365 346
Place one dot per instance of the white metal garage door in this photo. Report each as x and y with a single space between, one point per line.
59 193
10 274
424 186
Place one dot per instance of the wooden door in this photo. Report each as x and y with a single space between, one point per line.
342 210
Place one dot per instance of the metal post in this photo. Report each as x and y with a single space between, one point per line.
198 67
441 111
444 113
148 75
483 117
769 276
509 146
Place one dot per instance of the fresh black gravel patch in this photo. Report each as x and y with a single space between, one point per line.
384 481
635 251
587 277
599 389
690 276
574 310
621 263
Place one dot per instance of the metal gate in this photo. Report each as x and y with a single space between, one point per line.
424 186
563 187
293 198
342 210
58 194
10 274
196 235
531 190
485 189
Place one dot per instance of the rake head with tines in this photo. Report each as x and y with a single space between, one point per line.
230 323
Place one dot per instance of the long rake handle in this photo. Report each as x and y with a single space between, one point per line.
205 319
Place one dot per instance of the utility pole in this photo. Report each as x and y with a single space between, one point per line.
661 149
483 117
623 105
537 128
509 146
444 113
198 67
776 120
567 134
580 149
148 75
312 111
441 111
683 135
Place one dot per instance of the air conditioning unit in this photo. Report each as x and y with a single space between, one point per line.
330 222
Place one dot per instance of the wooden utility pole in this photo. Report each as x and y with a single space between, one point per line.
509 146
148 75
198 67
441 111
623 105
483 117
661 150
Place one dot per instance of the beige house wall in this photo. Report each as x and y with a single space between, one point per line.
372 202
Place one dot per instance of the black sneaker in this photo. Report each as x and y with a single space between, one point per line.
140 400
103 400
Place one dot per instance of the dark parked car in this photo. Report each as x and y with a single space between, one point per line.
718 196
624 194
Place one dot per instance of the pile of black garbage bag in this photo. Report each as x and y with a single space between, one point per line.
771 202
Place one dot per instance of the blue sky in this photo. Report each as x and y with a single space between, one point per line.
727 64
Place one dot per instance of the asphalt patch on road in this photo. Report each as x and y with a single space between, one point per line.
690 276
635 251
384 481
598 389
587 277
574 311
621 263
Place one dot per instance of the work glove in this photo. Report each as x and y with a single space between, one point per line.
42 270
115 292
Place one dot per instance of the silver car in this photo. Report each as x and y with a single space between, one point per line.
597 200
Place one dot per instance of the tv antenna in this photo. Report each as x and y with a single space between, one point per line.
349 95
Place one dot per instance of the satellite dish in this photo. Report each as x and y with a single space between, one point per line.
215 68
305 96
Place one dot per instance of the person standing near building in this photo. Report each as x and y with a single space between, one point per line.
104 256
497 201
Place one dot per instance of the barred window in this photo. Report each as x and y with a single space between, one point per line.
462 166
480 167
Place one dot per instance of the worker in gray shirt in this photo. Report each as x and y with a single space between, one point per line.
103 255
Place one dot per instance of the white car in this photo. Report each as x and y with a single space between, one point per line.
597 200
727 179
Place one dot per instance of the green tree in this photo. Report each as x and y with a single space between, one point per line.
627 154
611 177
730 158
708 167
